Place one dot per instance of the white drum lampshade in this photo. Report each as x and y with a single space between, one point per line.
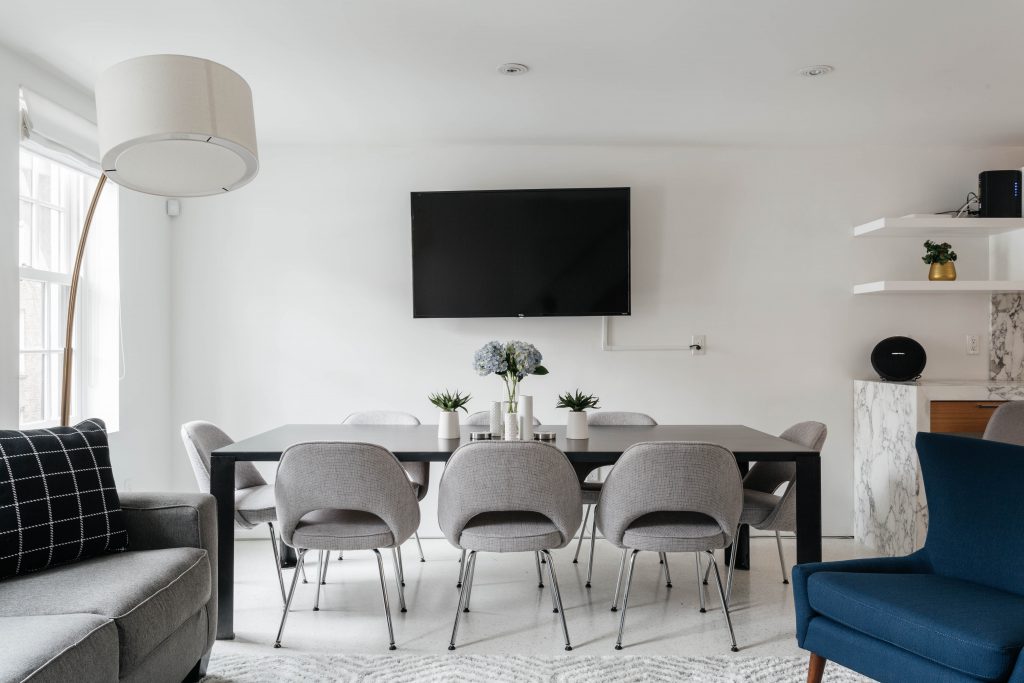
176 126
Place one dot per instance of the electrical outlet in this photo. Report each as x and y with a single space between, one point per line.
698 345
973 345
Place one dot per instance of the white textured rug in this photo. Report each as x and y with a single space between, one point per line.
496 668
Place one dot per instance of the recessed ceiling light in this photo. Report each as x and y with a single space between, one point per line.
513 69
816 70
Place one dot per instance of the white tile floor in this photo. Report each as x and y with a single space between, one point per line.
510 614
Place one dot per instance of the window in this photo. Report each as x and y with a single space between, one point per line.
53 198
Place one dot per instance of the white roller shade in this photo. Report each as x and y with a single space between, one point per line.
59 130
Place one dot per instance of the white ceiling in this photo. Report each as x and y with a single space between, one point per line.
603 71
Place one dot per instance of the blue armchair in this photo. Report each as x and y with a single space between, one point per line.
952 611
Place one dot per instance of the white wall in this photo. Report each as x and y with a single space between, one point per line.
141 450
292 297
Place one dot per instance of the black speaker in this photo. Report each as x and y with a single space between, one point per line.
898 359
1000 194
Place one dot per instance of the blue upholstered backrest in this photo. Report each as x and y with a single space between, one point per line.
975 491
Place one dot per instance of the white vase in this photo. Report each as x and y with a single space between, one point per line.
511 427
495 419
576 426
526 418
448 425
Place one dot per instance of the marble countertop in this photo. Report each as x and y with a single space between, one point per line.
947 382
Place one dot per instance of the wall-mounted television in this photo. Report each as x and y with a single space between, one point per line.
519 253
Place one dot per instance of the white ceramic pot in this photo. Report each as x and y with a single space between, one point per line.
511 427
576 426
448 425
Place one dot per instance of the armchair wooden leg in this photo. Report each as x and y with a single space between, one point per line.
816 668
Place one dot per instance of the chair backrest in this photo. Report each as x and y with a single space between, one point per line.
203 438
671 476
1007 424
482 418
769 476
381 417
509 476
611 417
334 475
973 487
419 472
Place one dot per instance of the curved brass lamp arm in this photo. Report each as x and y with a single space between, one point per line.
69 331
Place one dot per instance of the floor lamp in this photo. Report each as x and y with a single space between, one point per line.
172 126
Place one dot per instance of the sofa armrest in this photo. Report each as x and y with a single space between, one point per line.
916 563
175 520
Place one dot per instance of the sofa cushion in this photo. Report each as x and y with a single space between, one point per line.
148 594
68 647
972 628
58 502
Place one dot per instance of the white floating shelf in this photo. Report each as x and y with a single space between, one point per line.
929 287
928 226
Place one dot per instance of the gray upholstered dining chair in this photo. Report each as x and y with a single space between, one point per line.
668 497
763 509
254 498
504 497
419 472
592 489
344 496
1007 424
482 418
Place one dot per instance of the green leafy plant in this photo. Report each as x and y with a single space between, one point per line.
938 253
577 402
450 402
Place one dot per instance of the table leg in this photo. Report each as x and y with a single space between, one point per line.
287 555
808 508
222 486
743 542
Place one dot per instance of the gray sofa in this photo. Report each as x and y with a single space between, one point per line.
147 614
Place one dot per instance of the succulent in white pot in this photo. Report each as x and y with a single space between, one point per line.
577 403
450 404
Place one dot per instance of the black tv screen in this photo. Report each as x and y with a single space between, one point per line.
517 253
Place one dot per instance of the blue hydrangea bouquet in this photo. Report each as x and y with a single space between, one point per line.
512 361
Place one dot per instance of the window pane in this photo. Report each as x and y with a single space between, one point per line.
30 388
25 174
46 248
24 233
33 315
46 180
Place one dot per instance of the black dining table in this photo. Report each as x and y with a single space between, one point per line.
605 445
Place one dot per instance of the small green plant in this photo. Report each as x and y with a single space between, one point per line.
938 253
450 402
577 402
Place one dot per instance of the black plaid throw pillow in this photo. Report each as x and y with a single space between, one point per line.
58 503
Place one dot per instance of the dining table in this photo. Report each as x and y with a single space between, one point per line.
603 447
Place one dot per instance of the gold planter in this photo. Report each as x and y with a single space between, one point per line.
942 271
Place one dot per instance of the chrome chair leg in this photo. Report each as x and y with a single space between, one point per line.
419 545
540 576
625 598
327 563
384 592
462 600
583 532
782 558
593 542
468 579
668 575
320 567
277 562
558 597
288 601
395 557
725 603
401 567
732 566
700 586
302 567
618 581
341 554
707 572
462 569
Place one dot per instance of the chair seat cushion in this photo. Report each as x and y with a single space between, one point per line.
757 505
591 492
148 594
965 626
342 530
510 532
65 647
674 532
255 505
